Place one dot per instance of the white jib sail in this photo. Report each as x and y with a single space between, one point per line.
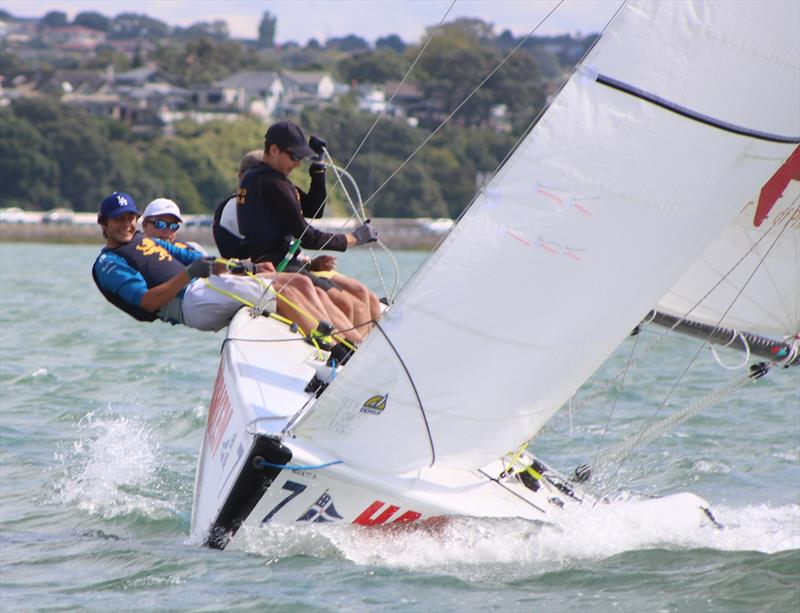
594 217
759 269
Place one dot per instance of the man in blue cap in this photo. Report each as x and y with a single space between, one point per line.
153 279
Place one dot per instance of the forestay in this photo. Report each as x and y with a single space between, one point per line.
595 216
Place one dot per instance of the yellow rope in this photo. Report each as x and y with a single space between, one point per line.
525 468
233 263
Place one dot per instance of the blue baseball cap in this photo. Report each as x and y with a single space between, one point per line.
118 204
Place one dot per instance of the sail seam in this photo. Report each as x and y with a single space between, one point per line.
694 115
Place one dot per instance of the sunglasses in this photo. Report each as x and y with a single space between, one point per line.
295 157
163 225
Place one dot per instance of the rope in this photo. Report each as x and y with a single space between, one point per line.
464 101
601 391
268 287
607 457
358 149
705 342
746 352
261 463
361 215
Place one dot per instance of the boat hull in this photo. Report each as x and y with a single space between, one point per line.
252 471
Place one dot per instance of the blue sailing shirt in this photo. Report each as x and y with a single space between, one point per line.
116 275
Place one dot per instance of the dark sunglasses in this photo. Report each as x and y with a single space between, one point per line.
163 225
295 157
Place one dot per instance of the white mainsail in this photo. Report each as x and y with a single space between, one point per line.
594 217
749 278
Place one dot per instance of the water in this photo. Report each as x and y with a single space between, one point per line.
101 419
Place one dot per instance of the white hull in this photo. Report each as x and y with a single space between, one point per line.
249 474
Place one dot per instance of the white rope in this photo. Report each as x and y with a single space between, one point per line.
609 456
746 352
360 214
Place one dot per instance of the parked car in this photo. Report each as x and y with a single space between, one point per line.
198 220
59 216
12 215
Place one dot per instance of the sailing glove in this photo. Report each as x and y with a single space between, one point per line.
242 267
200 268
365 233
318 146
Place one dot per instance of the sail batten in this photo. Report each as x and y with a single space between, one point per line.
594 217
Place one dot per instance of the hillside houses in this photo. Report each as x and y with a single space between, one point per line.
148 97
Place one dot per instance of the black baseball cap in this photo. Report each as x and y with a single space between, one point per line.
288 136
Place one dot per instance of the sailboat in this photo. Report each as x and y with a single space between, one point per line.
628 197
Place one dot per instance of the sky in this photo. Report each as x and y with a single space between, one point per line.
301 20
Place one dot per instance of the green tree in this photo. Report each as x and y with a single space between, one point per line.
201 60
93 19
372 67
266 31
347 44
217 30
55 19
393 42
135 25
28 176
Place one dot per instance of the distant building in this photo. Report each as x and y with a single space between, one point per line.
73 38
247 91
310 85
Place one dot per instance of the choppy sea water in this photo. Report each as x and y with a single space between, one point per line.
101 419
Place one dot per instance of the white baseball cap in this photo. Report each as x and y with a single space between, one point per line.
162 206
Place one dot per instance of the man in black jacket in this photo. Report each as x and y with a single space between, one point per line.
271 212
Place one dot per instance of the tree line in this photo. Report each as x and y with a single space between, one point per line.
54 156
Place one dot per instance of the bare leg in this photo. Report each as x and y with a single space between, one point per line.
339 319
363 295
302 292
289 312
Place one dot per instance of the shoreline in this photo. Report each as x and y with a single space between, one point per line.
412 234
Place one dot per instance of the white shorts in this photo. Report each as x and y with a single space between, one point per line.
206 309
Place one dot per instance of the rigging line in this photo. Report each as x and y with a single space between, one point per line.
463 102
602 390
616 398
361 215
636 92
510 491
379 242
703 344
414 387
375 123
604 458
433 32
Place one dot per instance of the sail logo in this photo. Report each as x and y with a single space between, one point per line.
375 405
322 511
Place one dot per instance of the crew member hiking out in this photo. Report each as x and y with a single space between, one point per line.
271 212
150 278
